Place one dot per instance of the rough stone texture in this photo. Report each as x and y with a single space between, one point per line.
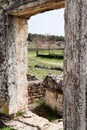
22 63
53 92
50 89
30 121
36 91
4 99
17 64
54 101
75 58
54 83
13 64
75 65
27 8
13 50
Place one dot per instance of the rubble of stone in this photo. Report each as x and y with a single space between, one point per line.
54 83
31 77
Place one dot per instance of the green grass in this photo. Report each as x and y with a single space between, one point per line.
40 72
31 46
46 52
6 128
19 113
33 60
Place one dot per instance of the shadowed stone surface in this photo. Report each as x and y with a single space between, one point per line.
54 92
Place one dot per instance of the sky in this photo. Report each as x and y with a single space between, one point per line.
50 22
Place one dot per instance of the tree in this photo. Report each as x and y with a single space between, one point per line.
50 40
37 41
29 37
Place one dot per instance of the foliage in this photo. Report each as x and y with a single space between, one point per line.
38 41
59 38
40 102
56 38
19 113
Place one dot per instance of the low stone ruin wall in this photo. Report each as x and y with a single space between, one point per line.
51 89
54 92
36 91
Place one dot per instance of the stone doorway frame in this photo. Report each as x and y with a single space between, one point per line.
13 15
16 93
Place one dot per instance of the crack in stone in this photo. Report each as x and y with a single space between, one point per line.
29 124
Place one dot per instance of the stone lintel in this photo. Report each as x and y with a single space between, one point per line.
27 10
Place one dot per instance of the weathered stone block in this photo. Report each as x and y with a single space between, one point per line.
54 92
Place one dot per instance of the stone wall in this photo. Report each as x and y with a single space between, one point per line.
54 100
54 92
50 89
36 91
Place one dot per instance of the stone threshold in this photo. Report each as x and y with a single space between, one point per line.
31 121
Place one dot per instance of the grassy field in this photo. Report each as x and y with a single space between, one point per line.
46 52
46 62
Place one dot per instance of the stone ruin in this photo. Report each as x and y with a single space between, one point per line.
53 85
13 57
50 89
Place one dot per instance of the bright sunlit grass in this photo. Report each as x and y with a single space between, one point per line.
46 62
